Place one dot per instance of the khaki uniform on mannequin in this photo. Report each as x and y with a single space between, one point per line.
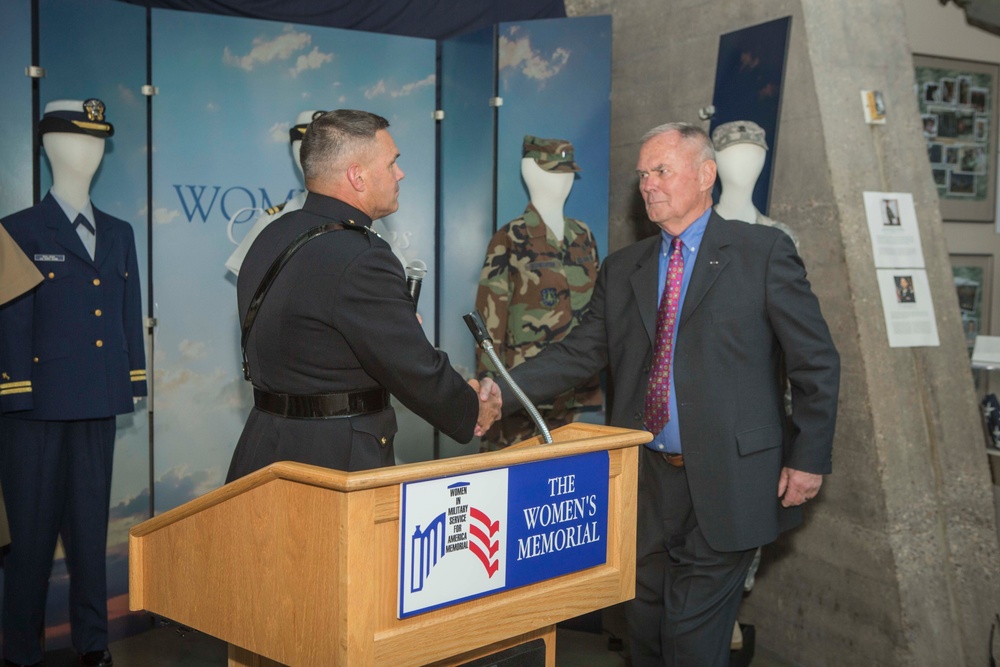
71 359
271 214
537 279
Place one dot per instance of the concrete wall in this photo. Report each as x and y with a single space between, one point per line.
898 562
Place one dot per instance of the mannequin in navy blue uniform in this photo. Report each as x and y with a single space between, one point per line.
71 358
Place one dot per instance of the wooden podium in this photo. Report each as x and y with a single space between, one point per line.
298 565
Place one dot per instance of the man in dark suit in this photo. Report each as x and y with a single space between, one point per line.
724 473
337 333
71 359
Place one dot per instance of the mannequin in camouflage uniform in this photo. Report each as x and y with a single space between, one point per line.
536 282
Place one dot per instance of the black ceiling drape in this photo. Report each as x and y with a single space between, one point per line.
433 19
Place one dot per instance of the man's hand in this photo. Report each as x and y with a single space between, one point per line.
490 403
795 487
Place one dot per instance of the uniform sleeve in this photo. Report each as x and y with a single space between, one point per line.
16 334
812 363
134 329
373 311
493 299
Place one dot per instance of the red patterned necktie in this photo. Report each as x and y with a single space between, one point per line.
658 394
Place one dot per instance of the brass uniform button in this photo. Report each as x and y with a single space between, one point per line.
97 281
384 440
36 360
51 275
97 312
99 343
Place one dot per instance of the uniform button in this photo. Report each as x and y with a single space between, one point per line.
99 343
36 360
384 440
97 312
97 281
51 275
637 416
645 369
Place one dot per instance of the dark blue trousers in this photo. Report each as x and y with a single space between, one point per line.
687 594
56 478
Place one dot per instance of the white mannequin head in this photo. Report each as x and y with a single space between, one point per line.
74 157
301 123
545 186
740 165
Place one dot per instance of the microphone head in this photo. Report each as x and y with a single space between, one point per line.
477 326
416 270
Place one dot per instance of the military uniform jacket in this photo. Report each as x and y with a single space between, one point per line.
72 348
338 318
748 309
533 290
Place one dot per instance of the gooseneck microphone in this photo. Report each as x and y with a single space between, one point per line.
415 272
478 328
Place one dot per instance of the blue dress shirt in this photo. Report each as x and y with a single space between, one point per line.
669 439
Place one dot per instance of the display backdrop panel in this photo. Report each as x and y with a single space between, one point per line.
74 69
467 175
229 89
15 131
555 81
749 77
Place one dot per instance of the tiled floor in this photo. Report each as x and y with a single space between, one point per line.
168 645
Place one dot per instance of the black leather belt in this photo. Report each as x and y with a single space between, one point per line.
322 406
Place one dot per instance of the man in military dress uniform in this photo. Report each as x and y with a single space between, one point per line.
536 282
71 358
335 334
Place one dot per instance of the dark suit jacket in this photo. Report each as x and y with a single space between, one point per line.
339 318
72 348
748 309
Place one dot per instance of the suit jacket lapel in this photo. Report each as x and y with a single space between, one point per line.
62 228
644 285
710 264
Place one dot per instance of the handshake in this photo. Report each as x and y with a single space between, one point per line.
490 403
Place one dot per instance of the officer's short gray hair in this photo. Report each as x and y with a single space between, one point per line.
688 132
336 139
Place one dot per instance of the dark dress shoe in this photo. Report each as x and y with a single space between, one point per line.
97 659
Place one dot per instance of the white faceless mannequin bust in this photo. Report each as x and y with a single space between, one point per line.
740 166
74 159
548 191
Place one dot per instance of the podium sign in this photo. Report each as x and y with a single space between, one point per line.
479 533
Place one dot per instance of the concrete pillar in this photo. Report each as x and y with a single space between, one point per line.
898 561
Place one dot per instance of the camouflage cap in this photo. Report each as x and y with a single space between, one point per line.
738 132
551 154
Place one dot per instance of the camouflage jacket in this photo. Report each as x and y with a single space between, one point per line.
533 290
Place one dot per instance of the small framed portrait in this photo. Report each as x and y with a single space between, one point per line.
947 126
951 154
890 212
940 177
982 131
963 185
979 99
949 91
932 91
935 152
904 289
964 88
972 159
930 125
965 125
